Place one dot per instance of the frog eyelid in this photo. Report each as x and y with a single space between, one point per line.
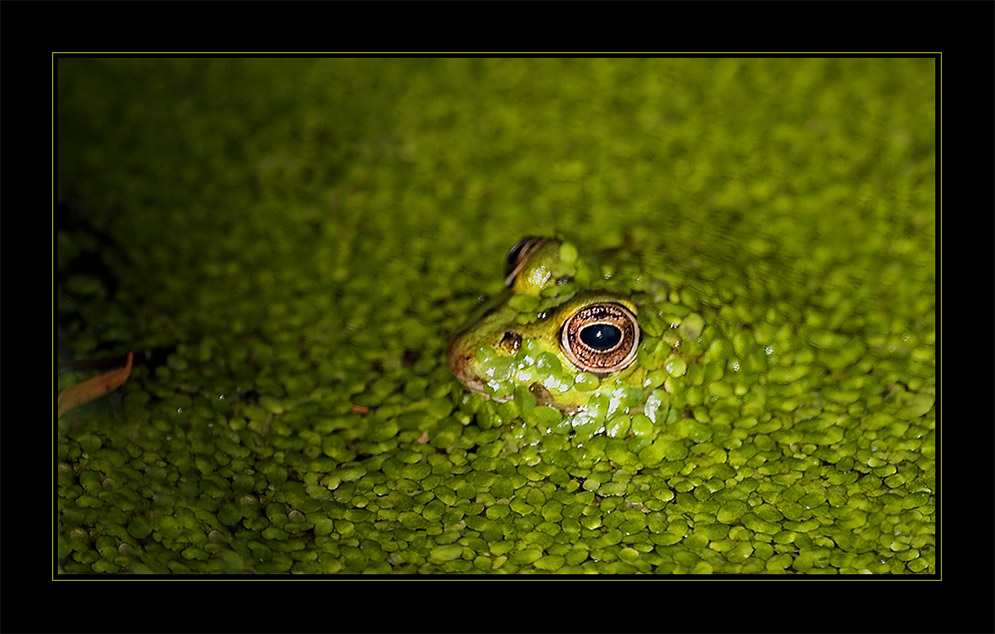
519 254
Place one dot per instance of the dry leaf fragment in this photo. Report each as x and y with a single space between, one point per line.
95 387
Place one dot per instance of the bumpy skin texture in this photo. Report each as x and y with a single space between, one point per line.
514 341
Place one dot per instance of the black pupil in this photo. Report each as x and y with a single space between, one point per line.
601 336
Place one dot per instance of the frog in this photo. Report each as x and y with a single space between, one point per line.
571 333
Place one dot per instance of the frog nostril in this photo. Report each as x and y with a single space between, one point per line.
510 342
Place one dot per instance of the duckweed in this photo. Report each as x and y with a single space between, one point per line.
290 299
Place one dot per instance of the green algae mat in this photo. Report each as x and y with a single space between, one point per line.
288 246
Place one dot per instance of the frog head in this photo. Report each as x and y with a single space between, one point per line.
554 330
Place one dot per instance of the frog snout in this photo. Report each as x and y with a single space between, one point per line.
458 357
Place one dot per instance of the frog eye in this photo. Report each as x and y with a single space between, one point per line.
519 255
601 338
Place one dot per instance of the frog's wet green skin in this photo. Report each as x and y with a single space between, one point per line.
562 332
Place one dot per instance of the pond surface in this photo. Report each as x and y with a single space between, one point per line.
289 245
